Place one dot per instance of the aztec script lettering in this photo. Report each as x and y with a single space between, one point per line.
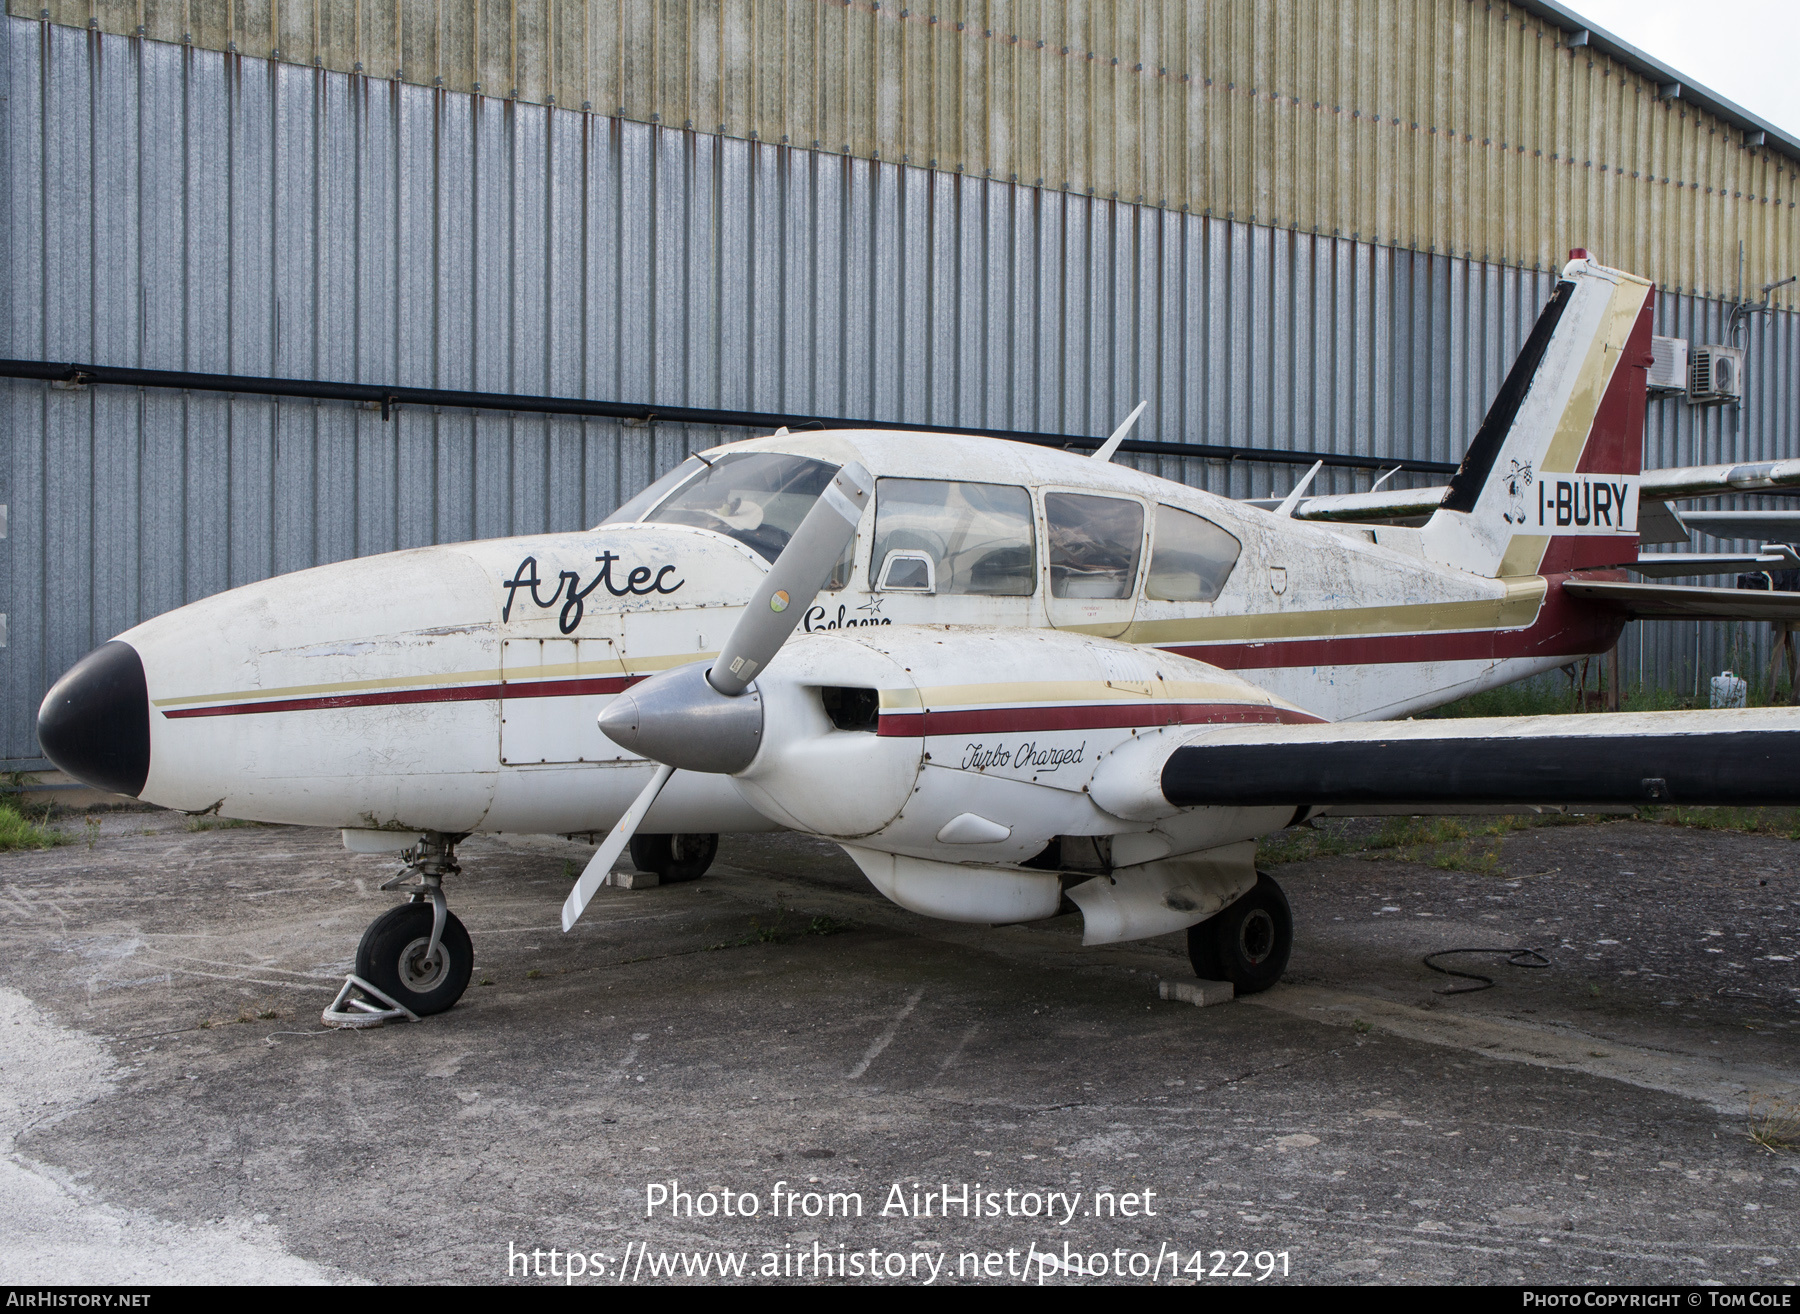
640 581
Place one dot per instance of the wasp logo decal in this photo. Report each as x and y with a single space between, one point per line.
1518 479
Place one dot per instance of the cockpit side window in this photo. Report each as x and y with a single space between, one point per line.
1190 557
633 511
1095 544
978 537
758 498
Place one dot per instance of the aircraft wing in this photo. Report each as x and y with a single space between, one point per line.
1687 601
1738 757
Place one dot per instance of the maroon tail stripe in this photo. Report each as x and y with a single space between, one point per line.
1105 716
469 693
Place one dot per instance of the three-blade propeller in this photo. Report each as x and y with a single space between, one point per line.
660 713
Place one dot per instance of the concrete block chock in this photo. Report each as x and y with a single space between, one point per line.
1198 993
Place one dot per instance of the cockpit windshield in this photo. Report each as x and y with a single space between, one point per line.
758 498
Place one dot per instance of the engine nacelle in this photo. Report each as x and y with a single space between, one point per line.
934 751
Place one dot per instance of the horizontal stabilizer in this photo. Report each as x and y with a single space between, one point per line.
1673 565
1656 486
1741 758
1688 601
1758 526
1709 480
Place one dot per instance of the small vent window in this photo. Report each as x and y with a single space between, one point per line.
850 708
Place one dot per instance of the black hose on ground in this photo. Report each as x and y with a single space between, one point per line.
1514 958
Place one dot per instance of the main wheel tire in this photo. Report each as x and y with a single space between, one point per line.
1247 943
391 957
674 858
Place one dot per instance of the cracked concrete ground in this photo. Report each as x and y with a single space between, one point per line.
1581 1124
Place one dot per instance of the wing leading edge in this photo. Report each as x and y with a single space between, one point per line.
1745 758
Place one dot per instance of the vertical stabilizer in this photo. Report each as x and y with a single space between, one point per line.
1551 481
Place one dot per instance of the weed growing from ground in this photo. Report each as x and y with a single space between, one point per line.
216 823
19 832
1755 821
777 933
1474 843
1774 1122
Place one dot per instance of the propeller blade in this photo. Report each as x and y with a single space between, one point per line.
793 581
595 873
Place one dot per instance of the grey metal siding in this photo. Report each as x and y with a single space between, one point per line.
177 208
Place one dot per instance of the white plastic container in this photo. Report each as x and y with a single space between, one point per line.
1729 690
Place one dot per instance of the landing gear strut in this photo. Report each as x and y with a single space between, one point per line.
1248 942
418 954
674 858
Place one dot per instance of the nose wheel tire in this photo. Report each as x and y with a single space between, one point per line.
392 957
674 858
1247 943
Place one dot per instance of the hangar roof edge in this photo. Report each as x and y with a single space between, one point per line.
1647 65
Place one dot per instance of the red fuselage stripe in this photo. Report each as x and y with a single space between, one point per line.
468 693
1105 716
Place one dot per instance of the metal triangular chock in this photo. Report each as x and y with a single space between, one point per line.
359 1005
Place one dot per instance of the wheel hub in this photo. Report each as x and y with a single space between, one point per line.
421 974
1256 936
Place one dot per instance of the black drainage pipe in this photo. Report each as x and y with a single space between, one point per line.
388 398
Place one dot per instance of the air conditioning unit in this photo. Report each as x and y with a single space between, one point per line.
1668 365
1715 375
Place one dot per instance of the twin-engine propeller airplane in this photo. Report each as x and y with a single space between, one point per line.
999 677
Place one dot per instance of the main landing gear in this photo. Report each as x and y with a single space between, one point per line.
419 955
674 858
1248 942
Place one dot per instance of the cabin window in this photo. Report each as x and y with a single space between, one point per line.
758 498
947 536
1190 557
1095 543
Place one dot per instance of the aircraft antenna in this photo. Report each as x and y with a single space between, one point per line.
1111 445
1292 500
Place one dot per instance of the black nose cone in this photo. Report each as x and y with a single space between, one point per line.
95 721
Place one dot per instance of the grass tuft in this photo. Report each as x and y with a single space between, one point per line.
1754 821
1774 1123
216 823
777 932
20 832
1557 697
1447 843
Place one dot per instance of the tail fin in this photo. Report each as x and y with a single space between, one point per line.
1550 483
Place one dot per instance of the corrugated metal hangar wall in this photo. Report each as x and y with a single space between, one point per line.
173 206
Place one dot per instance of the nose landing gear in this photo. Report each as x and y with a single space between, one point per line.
415 959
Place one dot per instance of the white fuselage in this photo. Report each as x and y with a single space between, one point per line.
456 688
